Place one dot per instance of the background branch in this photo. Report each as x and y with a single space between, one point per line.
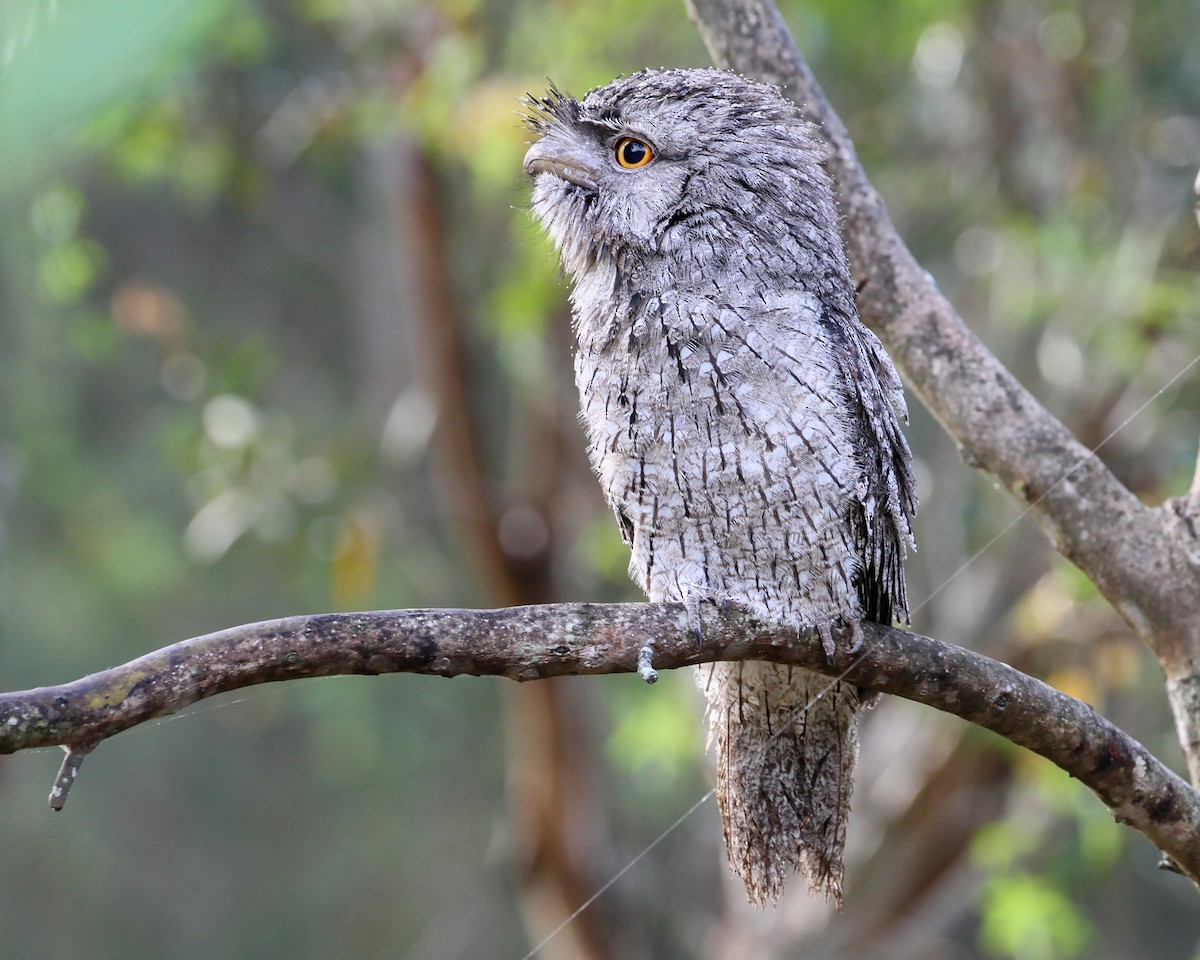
533 642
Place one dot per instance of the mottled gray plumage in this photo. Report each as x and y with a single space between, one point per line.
743 423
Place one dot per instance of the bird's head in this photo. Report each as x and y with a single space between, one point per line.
665 161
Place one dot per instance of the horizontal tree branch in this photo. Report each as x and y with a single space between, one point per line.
529 643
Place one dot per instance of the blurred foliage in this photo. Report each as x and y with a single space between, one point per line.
213 410
1024 916
1030 901
654 738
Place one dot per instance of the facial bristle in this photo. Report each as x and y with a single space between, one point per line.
555 108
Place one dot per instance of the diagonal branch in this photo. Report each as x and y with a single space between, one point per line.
1000 426
1141 558
528 643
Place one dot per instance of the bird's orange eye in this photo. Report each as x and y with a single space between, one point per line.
633 153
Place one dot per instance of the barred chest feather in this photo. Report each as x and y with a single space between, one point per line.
717 427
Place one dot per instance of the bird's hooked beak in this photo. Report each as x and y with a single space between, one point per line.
564 160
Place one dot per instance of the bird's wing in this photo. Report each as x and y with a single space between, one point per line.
887 489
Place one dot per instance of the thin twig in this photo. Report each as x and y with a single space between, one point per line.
67 773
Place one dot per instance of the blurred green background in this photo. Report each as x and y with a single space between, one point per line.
277 336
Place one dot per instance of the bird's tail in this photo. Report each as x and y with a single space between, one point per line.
786 741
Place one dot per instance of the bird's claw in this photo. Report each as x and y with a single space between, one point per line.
830 646
856 638
827 643
691 603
